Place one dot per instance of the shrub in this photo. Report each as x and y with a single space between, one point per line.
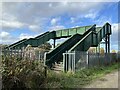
22 73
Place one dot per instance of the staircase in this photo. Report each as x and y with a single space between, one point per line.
58 67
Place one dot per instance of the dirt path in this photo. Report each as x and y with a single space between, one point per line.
108 81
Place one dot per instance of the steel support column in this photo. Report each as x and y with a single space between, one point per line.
108 43
99 48
54 42
96 49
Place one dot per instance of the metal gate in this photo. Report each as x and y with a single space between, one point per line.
69 62
75 60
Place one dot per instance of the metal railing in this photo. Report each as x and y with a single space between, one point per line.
79 60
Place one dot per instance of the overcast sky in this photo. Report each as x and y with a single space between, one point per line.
24 20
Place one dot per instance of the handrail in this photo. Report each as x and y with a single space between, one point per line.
80 41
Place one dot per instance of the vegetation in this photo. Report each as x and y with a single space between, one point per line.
80 78
45 47
113 51
22 73
31 74
3 46
93 50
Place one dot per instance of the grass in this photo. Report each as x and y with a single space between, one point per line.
30 74
80 78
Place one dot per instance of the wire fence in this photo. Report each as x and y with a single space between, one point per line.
79 60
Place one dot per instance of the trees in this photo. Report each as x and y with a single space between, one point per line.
45 46
102 51
92 50
113 51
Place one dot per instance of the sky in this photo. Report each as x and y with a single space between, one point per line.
21 20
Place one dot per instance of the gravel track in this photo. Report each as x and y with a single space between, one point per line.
108 81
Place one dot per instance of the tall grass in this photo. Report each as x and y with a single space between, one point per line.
24 74
80 78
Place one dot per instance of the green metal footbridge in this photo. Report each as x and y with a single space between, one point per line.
79 39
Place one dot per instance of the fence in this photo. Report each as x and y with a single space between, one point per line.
78 60
71 61
31 54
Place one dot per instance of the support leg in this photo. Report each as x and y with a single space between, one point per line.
99 48
108 43
96 49
54 43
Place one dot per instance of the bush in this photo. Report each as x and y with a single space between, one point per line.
22 73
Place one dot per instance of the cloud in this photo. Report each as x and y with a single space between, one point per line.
114 36
72 19
4 35
91 15
32 11
75 26
34 28
115 27
35 16
58 27
102 20
10 24
6 38
25 36
50 5
54 21
64 1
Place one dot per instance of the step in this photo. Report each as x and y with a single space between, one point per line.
57 69
59 65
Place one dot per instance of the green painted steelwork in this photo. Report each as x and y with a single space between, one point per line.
92 37
18 42
41 39
34 42
56 54
80 39
71 31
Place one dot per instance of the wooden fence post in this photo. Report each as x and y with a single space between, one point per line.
45 71
88 59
